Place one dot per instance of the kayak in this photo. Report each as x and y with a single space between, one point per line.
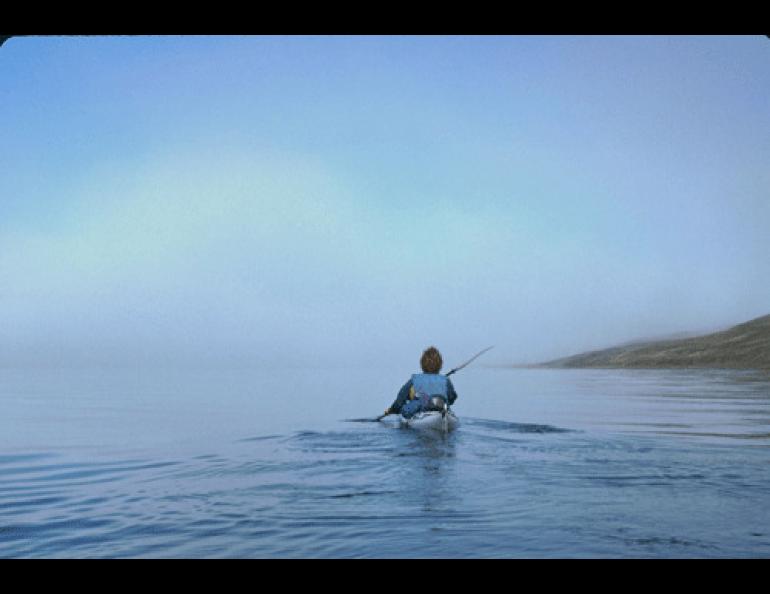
432 420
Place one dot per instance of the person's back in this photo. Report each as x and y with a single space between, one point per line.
420 392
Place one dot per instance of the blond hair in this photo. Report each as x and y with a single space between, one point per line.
431 360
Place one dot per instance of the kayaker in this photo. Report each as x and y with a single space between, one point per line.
415 395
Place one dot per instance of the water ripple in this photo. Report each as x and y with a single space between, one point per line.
669 473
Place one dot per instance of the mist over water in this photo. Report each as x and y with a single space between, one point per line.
270 201
213 250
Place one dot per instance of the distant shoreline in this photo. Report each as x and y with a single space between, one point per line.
745 346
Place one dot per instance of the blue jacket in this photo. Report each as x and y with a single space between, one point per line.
406 391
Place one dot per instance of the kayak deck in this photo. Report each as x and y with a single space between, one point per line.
432 420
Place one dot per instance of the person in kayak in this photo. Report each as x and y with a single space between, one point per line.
416 394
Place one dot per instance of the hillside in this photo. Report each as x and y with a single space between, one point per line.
746 346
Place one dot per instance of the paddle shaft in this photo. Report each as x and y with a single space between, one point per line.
469 361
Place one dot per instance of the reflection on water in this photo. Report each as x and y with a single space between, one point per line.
722 405
544 464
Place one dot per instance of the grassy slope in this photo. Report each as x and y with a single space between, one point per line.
746 346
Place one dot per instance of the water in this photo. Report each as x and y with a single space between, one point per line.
546 463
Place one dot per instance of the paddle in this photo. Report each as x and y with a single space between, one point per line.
469 361
455 370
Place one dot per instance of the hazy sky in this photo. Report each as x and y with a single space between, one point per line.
335 200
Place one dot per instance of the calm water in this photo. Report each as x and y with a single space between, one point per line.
262 463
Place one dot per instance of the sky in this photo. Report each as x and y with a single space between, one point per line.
347 201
